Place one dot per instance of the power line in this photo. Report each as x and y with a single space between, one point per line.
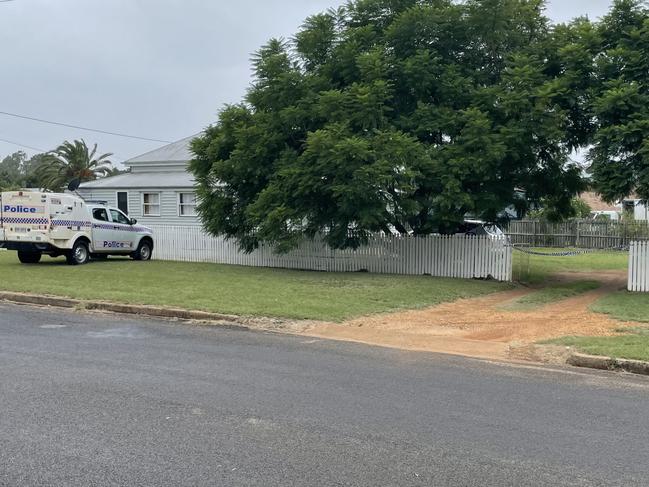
24 146
117 134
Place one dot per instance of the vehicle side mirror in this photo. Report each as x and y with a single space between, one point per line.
133 221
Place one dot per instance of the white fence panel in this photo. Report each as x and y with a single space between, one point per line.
436 255
639 267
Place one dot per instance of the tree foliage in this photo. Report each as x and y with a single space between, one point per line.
11 170
72 160
407 115
18 171
620 153
578 209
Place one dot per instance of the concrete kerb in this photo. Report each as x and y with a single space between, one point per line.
609 363
132 309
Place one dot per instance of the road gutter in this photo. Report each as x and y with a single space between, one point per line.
608 363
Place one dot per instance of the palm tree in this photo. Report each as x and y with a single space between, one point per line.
72 160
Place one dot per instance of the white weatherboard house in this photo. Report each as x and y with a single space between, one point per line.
158 190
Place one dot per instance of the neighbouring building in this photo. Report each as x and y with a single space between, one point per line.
596 202
629 205
637 207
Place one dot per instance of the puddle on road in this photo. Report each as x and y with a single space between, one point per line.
118 333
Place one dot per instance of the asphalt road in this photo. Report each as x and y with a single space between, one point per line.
89 399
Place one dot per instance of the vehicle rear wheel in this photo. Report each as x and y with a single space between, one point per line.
29 257
144 251
79 254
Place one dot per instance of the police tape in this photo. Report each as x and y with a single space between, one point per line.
568 253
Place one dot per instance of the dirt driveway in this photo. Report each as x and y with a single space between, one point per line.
480 327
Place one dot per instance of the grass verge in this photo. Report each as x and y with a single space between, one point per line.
550 294
236 290
631 345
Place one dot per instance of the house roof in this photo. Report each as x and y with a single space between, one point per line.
180 179
596 203
176 152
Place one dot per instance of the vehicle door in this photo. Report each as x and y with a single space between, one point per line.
102 230
124 236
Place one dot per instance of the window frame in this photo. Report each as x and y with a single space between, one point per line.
179 204
144 205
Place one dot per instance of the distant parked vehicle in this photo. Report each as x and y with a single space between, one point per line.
480 228
605 215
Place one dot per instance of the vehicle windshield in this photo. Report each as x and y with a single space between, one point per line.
494 230
119 217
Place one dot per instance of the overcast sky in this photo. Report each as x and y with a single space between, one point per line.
154 68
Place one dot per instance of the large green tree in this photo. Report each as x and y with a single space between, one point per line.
620 105
395 115
11 170
19 171
72 160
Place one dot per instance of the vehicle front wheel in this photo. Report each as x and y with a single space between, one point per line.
79 254
29 257
144 251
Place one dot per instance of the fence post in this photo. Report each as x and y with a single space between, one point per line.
641 265
631 275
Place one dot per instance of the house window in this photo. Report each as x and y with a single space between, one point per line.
186 204
122 201
151 204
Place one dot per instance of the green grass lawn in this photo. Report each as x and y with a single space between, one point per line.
537 268
633 345
236 290
550 294
624 306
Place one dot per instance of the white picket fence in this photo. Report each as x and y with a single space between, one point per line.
639 266
435 255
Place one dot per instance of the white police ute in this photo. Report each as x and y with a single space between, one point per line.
55 224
